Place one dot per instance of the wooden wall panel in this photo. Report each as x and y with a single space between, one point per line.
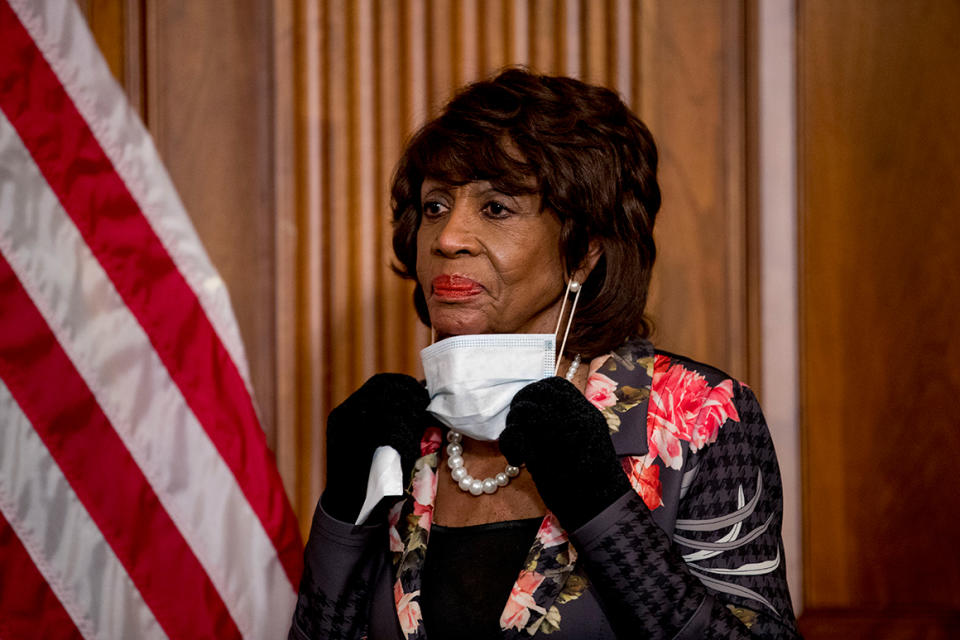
880 256
691 95
118 28
209 107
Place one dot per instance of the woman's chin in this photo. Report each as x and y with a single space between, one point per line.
444 331
448 323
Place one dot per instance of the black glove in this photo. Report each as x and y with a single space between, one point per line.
565 443
389 409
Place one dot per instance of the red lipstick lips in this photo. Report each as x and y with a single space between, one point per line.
455 287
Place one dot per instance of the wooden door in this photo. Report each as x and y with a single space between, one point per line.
879 109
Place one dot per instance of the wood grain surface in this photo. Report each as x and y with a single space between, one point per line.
880 304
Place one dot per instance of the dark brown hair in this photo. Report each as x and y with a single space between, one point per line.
594 164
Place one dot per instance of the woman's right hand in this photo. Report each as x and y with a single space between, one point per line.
389 409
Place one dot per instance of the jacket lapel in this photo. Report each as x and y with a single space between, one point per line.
631 368
409 531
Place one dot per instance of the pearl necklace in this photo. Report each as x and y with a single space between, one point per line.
475 486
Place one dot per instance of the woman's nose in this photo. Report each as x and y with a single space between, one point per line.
457 235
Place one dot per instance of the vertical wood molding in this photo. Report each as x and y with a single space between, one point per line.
134 42
312 261
691 96
210 111
285 207
733 201
117 26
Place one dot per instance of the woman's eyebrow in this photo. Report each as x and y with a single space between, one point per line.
429 186
494 192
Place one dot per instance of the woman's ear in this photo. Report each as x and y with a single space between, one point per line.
594 251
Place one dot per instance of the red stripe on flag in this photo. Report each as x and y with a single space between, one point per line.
145 276
58 403
28 607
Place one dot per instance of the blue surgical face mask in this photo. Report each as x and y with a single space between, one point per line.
471 379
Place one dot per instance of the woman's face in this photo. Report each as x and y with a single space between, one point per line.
488 262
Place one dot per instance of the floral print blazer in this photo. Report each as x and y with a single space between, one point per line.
694 552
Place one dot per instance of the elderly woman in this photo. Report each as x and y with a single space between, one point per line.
635 495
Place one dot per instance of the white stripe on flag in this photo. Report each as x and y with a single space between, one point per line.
61 33
61 538
117 362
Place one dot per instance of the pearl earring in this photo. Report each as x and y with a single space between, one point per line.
574 286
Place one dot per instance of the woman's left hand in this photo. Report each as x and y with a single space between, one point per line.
566 446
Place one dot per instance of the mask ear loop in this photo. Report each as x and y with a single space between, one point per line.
572 287
563 305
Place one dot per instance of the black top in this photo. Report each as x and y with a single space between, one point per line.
468 574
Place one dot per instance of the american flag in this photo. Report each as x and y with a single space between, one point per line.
138 498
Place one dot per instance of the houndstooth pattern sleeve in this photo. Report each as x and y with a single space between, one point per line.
340 563
729 521
641 579
721 575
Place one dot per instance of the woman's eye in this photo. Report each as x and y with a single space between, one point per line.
496 210
432 209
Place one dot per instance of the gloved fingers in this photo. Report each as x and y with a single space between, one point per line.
555 396
513 442
380 404
406 442
388 409
393 390
546 390
555 408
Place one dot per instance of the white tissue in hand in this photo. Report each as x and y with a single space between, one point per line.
385 479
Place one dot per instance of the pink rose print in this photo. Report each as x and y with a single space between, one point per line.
425 511
664 444
517 612
430 442
550 533
396 544
408 609
676 397
424 491
717 408
597 363
684 407
424 485
645 480
601 391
